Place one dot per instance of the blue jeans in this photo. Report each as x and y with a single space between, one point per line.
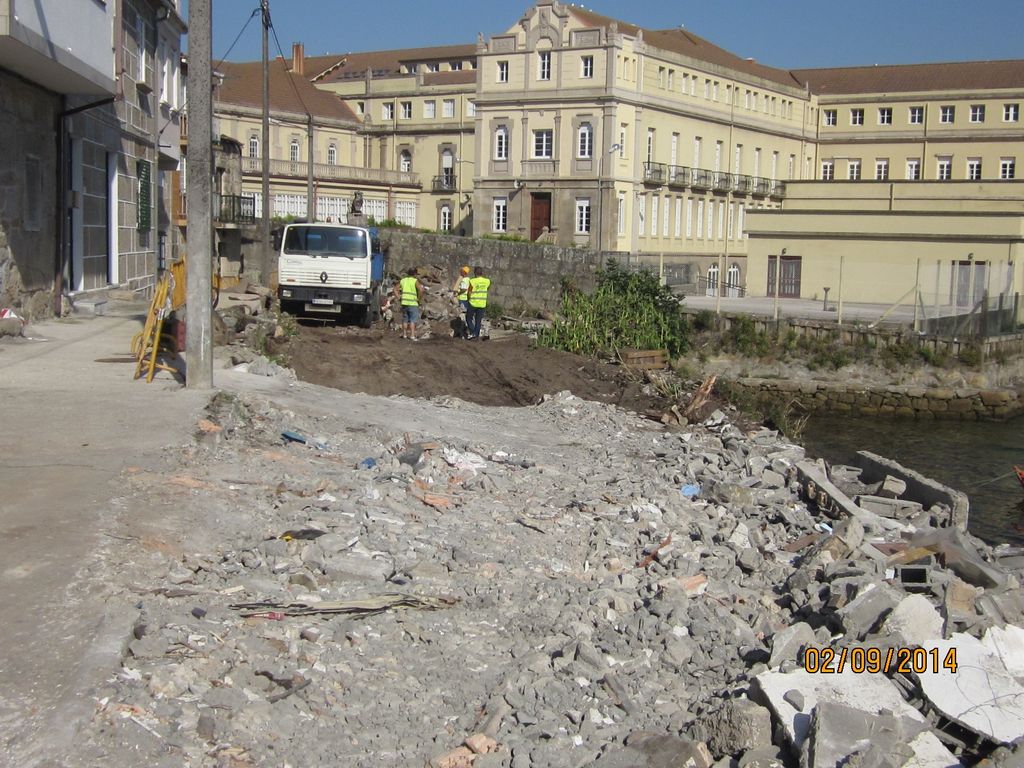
474 317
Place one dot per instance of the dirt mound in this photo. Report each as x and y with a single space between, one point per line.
507 371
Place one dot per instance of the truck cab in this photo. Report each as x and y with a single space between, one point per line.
328 270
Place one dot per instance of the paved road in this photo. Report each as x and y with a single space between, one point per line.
69 425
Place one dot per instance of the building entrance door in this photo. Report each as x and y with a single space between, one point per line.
540 213
789 288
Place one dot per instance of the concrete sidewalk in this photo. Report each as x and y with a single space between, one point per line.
72 420
805 309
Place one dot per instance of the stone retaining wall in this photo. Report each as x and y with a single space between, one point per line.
524 274
888 401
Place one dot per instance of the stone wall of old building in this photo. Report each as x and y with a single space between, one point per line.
28 210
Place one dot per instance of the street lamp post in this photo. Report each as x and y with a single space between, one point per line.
600 195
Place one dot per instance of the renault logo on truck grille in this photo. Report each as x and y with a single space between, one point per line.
323 277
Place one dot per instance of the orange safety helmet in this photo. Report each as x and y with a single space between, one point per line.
465 270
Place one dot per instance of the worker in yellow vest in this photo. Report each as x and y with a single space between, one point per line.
461 291
410 292
478 287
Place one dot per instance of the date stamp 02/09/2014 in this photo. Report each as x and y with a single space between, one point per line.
871 660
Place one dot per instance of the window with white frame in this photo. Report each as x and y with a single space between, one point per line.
501 143
696 151
405 161
746 99
585 141
944 168
974 168
671 80
881 169
661 77
387 111
406 110
757 161
774 172
693 85
689 217
913 169
731 228
707 88
678 217
293 150
502 72
433 67
767 102
737 160
885 115
586 67
700 219
828 170
332 154
544 65
455 66
405 212
714 91
857 116
977 113
429 109
665 217
1011 113
711 220
361 107
542 143
621 211
446 218
915 115
853 170
718 156
673 150
641 214
1008 168
499 221
470 109
654 215
650 145
791 167
448 108
582 215
947 114
720 232
254 146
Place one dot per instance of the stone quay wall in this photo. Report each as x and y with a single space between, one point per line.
886 401
523 274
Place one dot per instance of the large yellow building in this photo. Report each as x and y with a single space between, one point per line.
655 145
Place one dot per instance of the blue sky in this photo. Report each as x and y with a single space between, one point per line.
782 33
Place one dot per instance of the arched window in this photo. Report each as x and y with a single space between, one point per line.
446 218
293 151
332 154
501 143
448 169
254 146
732 281
712 280
405 161
585 141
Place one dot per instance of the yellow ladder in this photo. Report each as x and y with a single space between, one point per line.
150 342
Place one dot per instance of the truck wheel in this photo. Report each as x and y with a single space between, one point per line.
366 318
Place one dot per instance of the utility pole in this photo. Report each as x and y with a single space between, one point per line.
199 309
310 192
265 257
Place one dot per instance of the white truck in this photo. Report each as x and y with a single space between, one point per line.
330 270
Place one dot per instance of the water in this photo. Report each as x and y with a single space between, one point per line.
968 456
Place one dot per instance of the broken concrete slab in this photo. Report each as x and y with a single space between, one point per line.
927 491
865 612
872 694
788 643
821 491
737 726
888 507
982 694
914 622
839 732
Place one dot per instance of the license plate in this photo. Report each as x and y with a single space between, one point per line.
327 302
321 308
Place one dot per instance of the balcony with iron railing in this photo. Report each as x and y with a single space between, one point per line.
655 173
701 179
253 166
227 210
446 182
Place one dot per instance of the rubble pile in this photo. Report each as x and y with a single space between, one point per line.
605 591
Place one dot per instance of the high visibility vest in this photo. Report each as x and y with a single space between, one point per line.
463 289
410 297
478 292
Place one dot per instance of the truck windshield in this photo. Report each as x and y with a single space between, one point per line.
327 241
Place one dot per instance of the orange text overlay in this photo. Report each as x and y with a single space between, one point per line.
858 660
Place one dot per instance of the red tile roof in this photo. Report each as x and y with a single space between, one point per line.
679 40
243 85
953 76
384 63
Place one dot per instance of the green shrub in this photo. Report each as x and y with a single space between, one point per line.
627 309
